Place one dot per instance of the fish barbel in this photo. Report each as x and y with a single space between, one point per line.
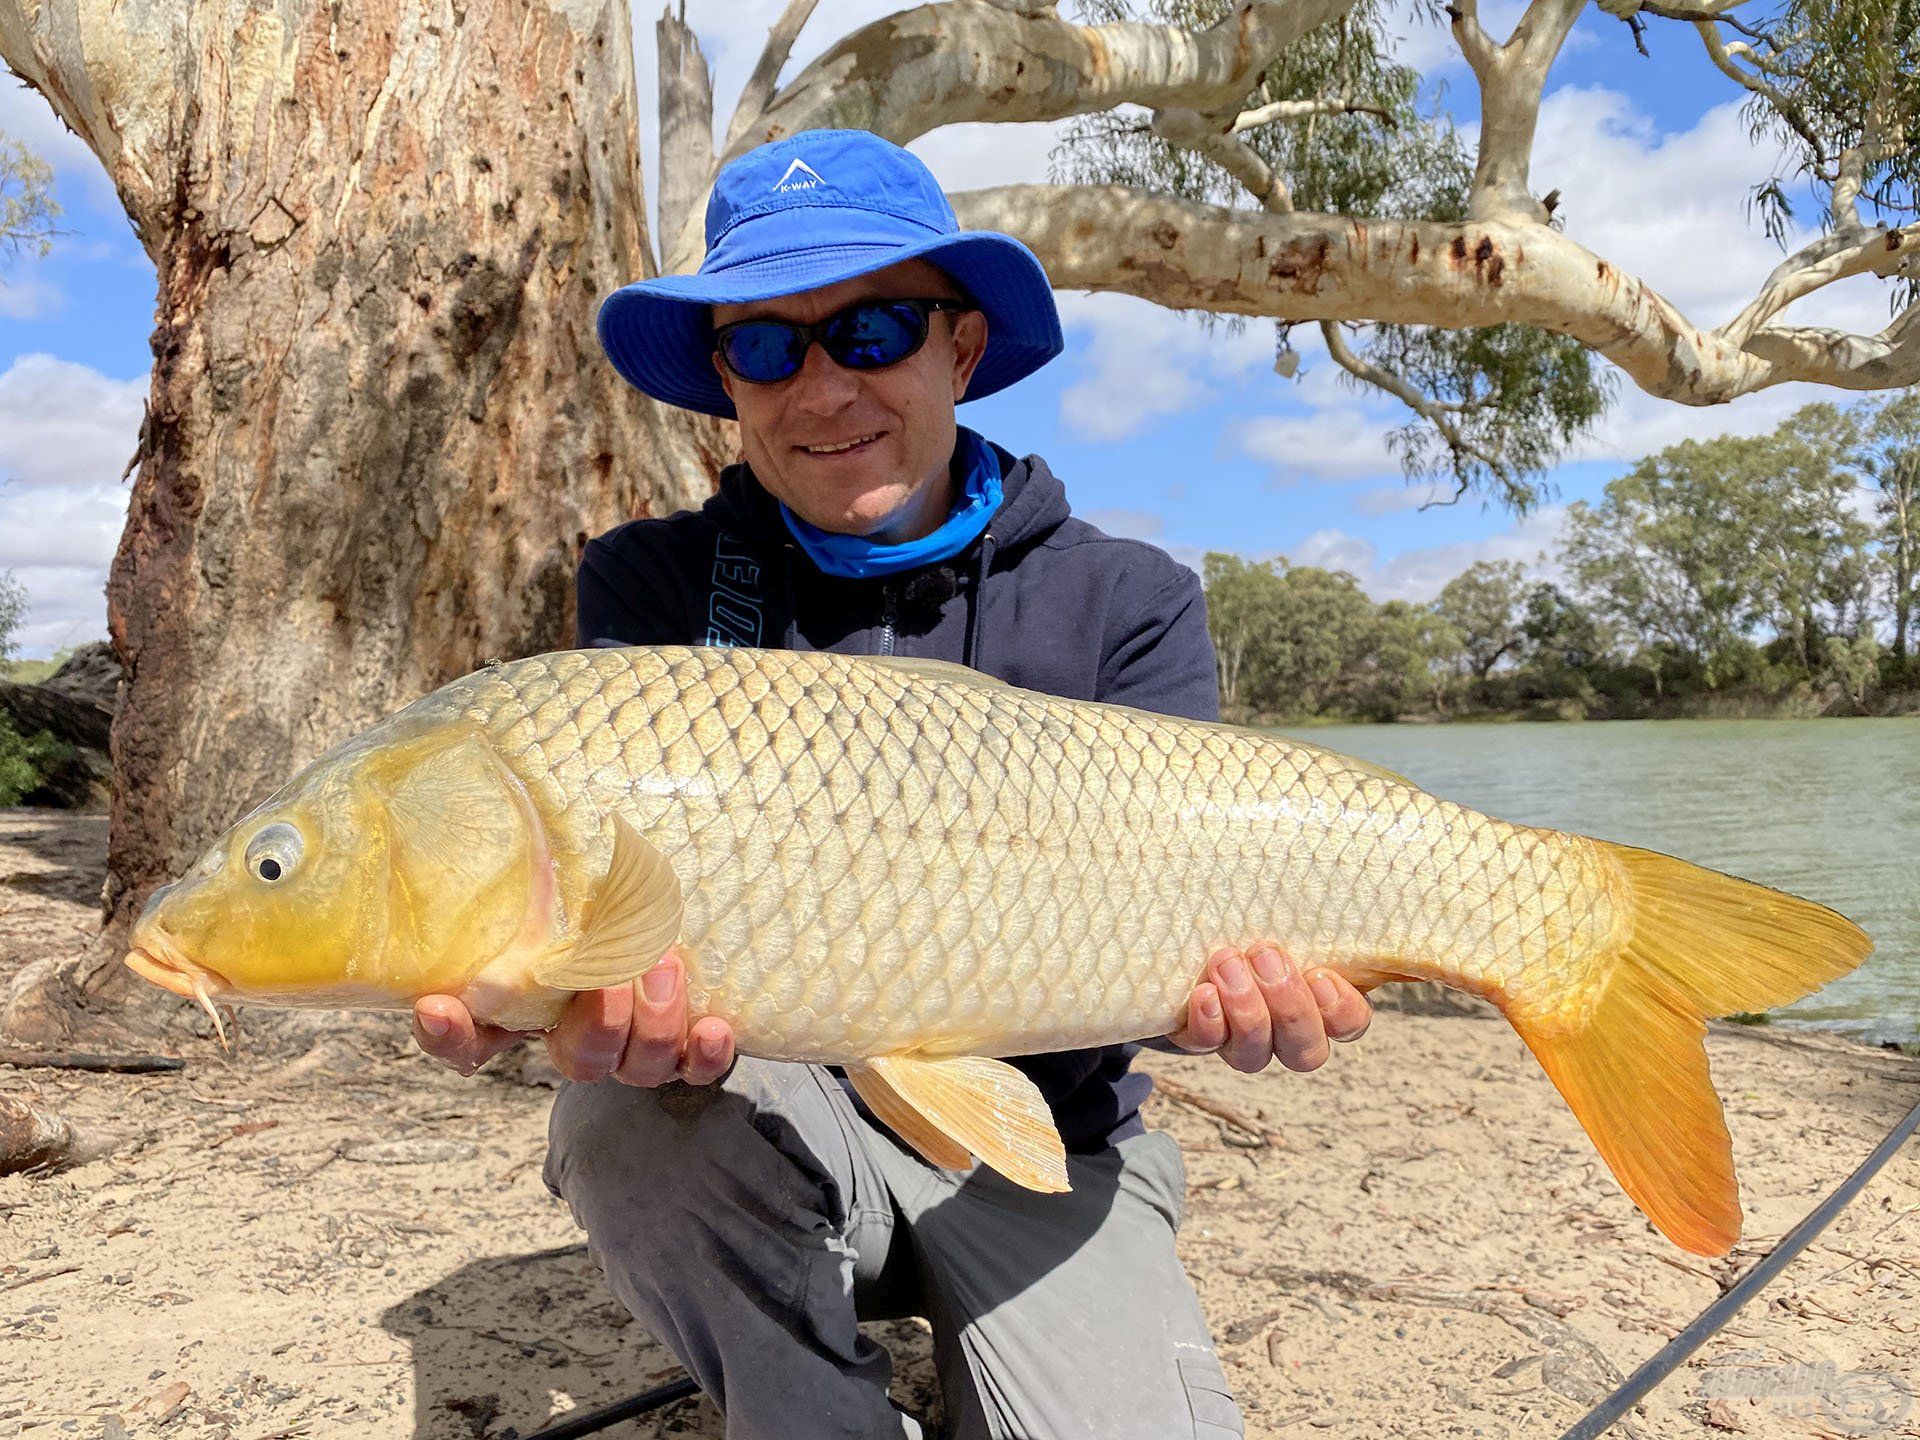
908 868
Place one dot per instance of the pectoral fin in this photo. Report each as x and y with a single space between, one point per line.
949 1108
628 924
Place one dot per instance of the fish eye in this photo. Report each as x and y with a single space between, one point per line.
274 853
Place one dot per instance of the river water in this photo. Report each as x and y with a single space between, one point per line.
1828 809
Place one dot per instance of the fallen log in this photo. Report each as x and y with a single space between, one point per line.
35 1139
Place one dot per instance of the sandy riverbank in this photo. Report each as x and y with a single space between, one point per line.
360 1243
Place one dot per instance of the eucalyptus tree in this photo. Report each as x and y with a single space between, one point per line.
378 428
1890 457
1701 545
1485 607
27 206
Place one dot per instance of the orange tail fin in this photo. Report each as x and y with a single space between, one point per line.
1635 1069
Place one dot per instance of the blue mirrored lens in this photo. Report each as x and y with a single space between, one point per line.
866 337
763 351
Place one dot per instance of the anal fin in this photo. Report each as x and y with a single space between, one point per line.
950 1108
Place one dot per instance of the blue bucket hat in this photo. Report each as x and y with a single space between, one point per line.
806 212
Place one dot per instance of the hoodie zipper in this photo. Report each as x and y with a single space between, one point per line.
886 619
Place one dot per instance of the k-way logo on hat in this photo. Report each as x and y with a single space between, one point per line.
799 176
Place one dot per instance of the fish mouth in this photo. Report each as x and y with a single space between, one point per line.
154 958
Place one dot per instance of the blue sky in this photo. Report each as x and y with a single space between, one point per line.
1161 429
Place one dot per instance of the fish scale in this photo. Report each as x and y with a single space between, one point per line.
973 865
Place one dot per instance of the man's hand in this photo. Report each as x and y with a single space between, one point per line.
1255 1006
637 1033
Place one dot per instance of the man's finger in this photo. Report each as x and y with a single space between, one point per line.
1249 1046
1206 1027
446 1030
1343 1009
1299 1037
656 1040
709 1053
587 1042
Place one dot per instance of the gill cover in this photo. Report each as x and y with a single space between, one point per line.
462 845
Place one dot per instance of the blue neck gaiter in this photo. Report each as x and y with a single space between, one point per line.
855 557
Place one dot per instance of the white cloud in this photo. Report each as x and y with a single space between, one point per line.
1135 363
23 297
1418 574
63 424
1394 499
1331 430
1673 209
1339 442
66 605
66 432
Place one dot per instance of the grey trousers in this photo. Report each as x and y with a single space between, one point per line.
750 1224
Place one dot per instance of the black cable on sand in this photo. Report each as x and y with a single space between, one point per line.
634 1405
1636 1385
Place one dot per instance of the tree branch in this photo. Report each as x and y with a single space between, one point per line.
1301 110
1671 9
1889 360
766 74
1437 413
1881 139
1305 266
1474 43
686 124
1512 79
1191 131
1722 57
968 61
1857 250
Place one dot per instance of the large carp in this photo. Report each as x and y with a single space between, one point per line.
905 867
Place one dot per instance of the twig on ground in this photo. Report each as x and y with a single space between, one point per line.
35 1279
1240 1121
88 1060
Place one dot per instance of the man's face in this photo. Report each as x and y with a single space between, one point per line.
892 483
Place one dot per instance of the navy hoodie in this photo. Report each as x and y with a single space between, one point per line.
1041 600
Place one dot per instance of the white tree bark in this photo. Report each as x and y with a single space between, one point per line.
1512 79
965 61
686 122
1300 266
760 86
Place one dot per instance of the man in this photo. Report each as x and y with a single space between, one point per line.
749 1215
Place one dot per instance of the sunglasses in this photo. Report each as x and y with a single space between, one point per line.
867 335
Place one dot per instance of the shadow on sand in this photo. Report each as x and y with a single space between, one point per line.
505 1345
